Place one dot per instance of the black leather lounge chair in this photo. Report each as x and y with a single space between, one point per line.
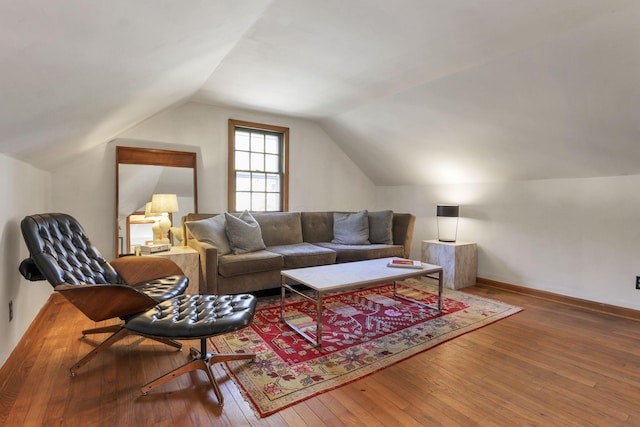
151 307
61 253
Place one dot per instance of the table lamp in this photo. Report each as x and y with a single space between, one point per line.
164 204
447 222
155 216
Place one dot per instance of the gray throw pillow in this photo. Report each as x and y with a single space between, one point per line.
212 231
381 227
351 228
244 233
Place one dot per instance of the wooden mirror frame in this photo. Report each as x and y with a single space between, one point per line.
153 157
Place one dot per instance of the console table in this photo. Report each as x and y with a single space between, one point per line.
188 260
459 261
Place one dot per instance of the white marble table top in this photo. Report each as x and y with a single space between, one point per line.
353 274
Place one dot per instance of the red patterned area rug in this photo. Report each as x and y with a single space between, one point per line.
363 331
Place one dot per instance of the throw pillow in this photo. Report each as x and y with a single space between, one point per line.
244 233
351 228
212 231
381 227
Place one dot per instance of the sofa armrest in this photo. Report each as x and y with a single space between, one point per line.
403 224
208 265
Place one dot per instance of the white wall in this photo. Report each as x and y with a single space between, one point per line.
554 235
25 190
85 189
321 176
575 237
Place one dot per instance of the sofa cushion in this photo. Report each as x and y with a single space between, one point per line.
351 228
247 263
244 233
381 227
212 231
280 228
302 255
317 226
345 253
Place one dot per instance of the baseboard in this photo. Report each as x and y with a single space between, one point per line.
613 310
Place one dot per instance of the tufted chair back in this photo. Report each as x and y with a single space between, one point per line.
62 252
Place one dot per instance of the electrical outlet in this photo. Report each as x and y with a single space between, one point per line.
637 282
10 311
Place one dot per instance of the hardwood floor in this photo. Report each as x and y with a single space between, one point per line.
550 365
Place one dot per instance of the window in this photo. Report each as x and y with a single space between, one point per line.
258 167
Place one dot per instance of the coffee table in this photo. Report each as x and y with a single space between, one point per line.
345 276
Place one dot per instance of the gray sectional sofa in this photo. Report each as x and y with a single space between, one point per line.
289 240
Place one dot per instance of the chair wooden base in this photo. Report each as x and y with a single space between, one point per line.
104 329
119 332
202 360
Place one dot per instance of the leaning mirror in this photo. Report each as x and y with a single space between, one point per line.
142 173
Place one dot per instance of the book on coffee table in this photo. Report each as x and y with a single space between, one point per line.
405 263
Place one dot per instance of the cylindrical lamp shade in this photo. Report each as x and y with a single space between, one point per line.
447 222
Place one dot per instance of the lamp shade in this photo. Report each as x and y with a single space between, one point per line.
447 222
448 211
148 213
164 203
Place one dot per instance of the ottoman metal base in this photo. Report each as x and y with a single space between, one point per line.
189 317
202 360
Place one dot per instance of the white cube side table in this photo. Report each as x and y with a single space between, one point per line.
459 261
188 260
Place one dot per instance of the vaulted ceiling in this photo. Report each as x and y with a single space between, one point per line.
414 91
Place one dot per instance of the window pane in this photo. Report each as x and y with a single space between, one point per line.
243 181
257 142
257 162
272 144
271 163
243 201
258 202
242 160
258 182
273 201
242 140
259 166
273 183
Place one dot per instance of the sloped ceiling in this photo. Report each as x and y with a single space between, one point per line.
415 92
76 73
